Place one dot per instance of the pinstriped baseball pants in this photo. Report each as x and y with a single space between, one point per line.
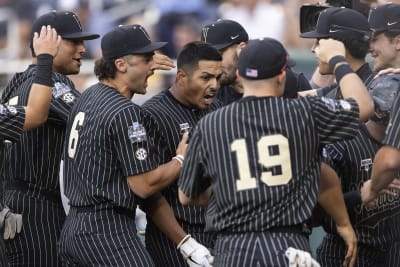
42 221
101 238
257 248
164 252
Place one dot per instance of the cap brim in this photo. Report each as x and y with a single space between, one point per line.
313 34
80 36
150 48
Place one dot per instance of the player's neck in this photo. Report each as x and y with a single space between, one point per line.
118 86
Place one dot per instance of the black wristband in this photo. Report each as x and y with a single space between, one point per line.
341 71
44 68
335 60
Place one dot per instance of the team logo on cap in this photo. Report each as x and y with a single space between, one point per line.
205 33
141 154
145 33
77 21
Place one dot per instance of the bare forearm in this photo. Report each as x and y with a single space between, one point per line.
386 165
38 106
163 216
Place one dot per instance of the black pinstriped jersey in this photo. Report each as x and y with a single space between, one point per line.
105 143
392 137
12 121
35 158
262 157
172 119
352 160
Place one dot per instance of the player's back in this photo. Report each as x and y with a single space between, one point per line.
263 157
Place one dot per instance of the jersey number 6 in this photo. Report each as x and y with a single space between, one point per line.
245 181
74 135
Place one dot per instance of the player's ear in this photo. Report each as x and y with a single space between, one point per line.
181 76
120 65
239 48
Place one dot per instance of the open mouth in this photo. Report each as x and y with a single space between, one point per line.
210 95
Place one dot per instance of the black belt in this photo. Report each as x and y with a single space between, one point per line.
100 208
300 228
19 185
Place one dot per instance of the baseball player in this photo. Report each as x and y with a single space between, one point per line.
122 171
32 163
229 37
261 155
352 159
15 120
176 111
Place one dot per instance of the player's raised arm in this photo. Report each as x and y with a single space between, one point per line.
46 44
332 52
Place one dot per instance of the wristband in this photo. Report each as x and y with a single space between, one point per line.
44 70
341 71
178 159
183 240
335 60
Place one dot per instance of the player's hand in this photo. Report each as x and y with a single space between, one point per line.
299 257
162 62
367 195
349 236
181 149
11 222
328 48
387 71
47 41
195 254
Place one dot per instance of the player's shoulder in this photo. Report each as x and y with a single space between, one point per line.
157 101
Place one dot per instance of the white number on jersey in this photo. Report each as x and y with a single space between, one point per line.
74 135
282 159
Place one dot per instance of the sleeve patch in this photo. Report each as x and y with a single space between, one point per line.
137 133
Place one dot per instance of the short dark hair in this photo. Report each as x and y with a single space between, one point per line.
358 48
104 69
193 52
391 34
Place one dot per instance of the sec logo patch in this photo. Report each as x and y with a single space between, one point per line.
68 98
141 154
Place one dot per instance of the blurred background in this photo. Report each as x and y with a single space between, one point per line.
174 21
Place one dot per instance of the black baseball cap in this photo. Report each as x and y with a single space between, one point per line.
223 33
128 40
262 59
340 23
384 18
66 23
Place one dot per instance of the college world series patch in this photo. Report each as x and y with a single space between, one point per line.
63 91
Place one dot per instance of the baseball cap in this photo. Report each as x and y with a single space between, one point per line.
384 17
223 33
339 22
66 23
262 59
383 91
128 40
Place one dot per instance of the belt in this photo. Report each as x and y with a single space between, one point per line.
19 185
100 208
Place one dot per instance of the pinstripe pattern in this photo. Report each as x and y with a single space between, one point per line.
392 137
352 160
168 114
305 123
333 251
11 125
33 164
100 181
256 249
104 238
